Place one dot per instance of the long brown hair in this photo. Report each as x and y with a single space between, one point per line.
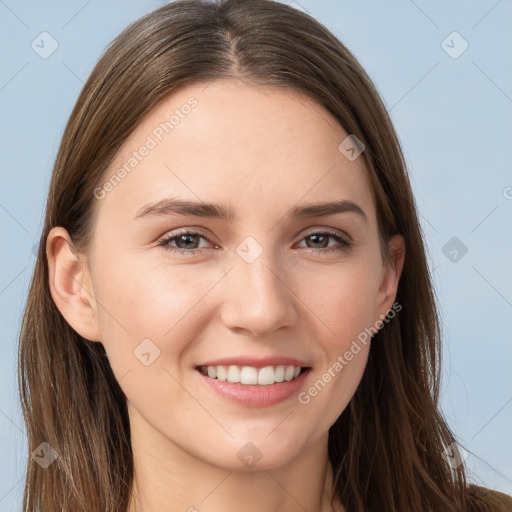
387 447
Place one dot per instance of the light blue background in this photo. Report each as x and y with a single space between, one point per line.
453 117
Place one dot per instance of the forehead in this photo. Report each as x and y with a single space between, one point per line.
257 148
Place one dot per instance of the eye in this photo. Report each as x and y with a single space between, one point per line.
319 242
186 241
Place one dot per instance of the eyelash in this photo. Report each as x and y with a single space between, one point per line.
345 244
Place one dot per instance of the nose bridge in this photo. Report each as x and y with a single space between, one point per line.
258 298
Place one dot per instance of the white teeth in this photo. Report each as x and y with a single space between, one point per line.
279 373
250 375
266 376
288 373
233 374
222 374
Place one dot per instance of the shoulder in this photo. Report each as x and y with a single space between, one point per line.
482 499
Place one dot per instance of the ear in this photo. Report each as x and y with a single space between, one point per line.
70 285
391 273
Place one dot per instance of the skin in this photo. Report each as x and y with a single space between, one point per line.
261 151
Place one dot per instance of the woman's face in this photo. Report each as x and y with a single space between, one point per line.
263 287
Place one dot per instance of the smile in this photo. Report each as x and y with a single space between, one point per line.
252 376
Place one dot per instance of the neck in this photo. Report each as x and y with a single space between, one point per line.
170 478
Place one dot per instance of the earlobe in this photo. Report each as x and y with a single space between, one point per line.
391 273
70 285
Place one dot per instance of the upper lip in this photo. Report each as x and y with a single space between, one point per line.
256 362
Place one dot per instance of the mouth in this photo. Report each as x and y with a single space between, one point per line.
251 375
260 386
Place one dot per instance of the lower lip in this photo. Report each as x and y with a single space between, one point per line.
256 396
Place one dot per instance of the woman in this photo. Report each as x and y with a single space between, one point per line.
231 307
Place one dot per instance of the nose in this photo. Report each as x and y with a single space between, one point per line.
258 297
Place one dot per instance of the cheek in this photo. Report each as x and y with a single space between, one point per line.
161 304
345 300
144 321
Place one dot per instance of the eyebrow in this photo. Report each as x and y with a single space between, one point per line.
201 209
